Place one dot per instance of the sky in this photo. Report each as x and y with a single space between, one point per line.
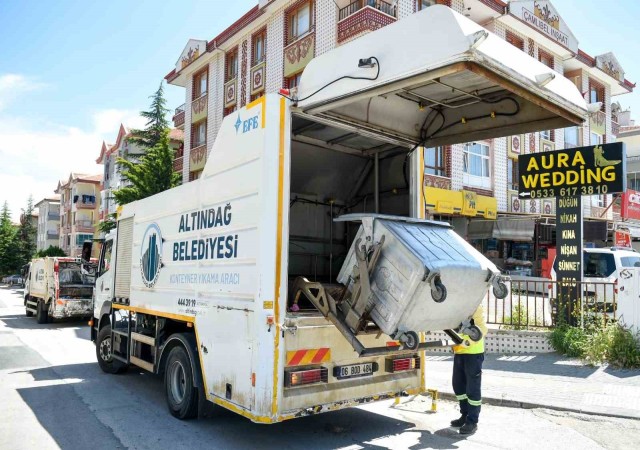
72 70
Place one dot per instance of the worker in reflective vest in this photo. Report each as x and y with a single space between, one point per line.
467 376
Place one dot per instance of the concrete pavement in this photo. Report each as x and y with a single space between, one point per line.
547 380
53 395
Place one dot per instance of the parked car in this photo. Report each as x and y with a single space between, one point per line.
601 269
14 280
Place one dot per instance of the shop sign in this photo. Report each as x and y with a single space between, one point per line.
592 170
569 230
543 17
630 207
622 238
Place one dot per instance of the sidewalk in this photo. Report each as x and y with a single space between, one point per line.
546 380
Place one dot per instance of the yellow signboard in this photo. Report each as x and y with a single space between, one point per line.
467 203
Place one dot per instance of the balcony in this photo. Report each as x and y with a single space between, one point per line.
53 216
178 117
198 158
199 108
231 93
84 226
178 163
51 234
85 204
363 16
597 123
615 128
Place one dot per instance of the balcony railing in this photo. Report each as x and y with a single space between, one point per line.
52 234
354 7
53 216
178 163
178 117
84 225
85 204
615 128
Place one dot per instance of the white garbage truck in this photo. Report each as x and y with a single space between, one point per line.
58 288
297 275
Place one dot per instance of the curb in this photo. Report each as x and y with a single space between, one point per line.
528 405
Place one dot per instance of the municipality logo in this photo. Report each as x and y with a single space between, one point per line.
151 255
246 125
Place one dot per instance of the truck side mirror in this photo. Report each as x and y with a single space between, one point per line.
86 251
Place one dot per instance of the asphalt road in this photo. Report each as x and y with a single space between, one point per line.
53 395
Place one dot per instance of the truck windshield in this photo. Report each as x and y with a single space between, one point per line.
70 273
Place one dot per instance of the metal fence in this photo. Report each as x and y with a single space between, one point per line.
540 304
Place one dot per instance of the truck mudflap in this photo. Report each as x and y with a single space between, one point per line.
66 308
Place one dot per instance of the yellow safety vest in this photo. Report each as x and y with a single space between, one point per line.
469 347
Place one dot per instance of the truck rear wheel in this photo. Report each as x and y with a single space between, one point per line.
42 316
104 353
182 395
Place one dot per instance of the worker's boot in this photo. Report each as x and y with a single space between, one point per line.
468 428
459 422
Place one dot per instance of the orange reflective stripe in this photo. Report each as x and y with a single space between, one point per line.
308 356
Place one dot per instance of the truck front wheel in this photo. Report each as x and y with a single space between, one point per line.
42 316
104 352
182 395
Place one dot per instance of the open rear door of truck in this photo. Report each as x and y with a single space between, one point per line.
436 78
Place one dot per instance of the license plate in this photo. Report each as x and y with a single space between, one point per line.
354 370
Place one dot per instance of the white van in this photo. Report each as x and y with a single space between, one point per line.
601 268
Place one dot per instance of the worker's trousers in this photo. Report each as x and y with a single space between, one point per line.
467 378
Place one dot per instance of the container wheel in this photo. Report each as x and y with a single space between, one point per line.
474 333
438 291
182 395
410 339
500 290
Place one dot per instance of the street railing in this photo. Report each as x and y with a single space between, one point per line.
540 304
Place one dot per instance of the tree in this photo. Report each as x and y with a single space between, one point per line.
26 235
157 123
152 174
8 242
53 250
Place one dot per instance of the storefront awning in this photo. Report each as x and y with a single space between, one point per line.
504 229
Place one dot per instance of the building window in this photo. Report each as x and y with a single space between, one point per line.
571 137
81 238
434 161
633 181
195 175
546 135
259 47
512 174
231 64
257 95
514 40
300 21
200 84
596 93
199 134
294 80
546 58
422 4
476 165
596 139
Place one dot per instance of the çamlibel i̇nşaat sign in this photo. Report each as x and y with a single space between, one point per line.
592 170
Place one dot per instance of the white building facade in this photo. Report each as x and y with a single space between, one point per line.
48 222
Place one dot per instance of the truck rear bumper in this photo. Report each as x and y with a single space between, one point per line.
70 308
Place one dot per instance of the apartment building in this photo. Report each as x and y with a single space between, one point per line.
48 222
112 177
268 48
79 206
